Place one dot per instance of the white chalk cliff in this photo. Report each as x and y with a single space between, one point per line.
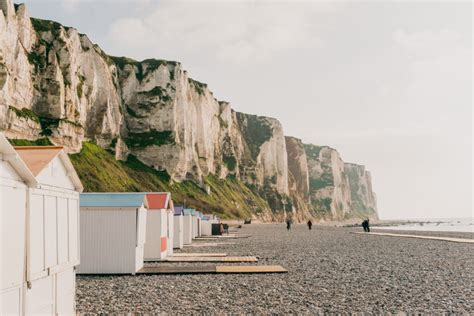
56 83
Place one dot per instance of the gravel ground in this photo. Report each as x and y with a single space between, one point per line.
330 270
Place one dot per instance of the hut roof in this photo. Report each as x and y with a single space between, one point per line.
189 211
128 199
158 201
37 158
178 210
8 153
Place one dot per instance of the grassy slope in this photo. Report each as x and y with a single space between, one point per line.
100 172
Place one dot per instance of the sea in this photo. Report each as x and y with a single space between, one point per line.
442 225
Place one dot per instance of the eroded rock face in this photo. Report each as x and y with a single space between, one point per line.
364 201
329 186
16 37
55 83
60 75
298 165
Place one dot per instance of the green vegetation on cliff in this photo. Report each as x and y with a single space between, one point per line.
25 113
256 130
143 68
24 142
100 172
149 138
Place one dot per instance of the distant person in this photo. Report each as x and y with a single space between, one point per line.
221 229
366 226
310 224
288 224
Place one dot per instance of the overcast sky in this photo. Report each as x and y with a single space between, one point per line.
388 84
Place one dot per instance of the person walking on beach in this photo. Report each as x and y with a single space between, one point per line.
221 229
288 224
310 224
365 225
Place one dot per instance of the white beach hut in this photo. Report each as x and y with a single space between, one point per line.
170 213
113 230
50 232
178 233
159 226
196 224
188 226
15 177
206 225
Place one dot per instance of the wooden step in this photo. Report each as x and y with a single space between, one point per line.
212 259
197 254
212 269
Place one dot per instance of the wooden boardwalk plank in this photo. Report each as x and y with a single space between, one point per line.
250 269
460 240
212 259
177 270
212 269
197 254
210 244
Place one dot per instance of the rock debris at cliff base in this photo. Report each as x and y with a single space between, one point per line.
330 270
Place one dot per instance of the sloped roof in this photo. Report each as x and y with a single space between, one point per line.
8 153
178 210
128 199
157 201
189 211
37 157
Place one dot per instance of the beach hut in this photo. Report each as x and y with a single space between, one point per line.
206 225
188 215
196 224
178 234
170 222
15 178
49 232
159 226
113 230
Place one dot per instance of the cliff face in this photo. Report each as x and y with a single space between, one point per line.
56 84
329 186
364 201
298 181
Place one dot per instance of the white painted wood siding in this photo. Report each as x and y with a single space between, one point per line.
156 220
206 228
187 229
170 230
65 292
178 232
13 197
141 237
108 241
53 232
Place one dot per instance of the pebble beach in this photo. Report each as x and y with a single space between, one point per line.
330 271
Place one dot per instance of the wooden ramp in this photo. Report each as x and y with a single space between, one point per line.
197 254
212 259
234 236
250 269
222 237
177 270
212 269
210 244
460 240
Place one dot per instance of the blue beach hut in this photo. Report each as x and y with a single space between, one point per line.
113 230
